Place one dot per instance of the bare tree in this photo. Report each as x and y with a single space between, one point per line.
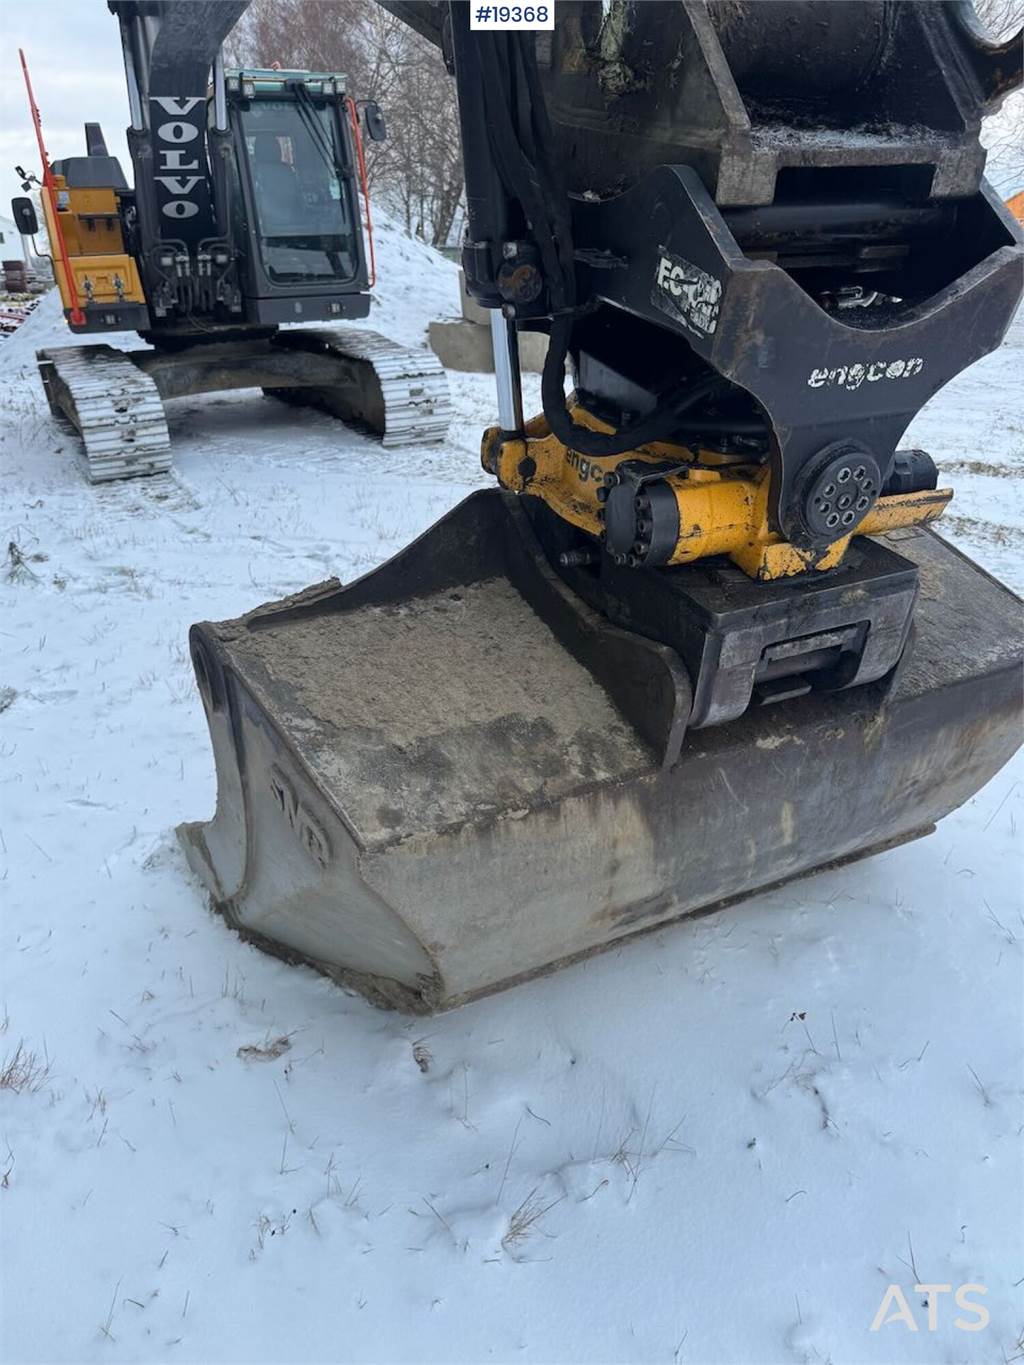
418 171
1003 133
1002 18
424 169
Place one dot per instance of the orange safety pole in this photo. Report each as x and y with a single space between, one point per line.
75 313
361 162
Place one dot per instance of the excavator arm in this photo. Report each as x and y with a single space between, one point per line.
779 260
185 234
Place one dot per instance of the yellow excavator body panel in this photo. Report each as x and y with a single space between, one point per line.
101 269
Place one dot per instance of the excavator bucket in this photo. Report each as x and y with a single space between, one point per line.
453 774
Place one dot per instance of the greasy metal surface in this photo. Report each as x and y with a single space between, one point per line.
783 55
740 89
473 854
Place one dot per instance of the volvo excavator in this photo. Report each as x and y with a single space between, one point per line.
244 216
702 637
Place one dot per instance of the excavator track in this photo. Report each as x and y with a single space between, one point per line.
115 408
115 399
401 393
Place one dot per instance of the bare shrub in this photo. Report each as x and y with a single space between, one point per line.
24 1070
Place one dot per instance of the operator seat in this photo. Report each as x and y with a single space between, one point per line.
277 186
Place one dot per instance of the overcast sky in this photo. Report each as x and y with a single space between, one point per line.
74 58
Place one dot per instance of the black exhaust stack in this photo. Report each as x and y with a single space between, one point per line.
95 143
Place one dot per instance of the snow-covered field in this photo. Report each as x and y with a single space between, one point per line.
719 1143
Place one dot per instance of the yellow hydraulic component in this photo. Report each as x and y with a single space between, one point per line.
102 270
722 499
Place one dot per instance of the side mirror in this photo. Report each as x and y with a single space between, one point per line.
24 212
373 121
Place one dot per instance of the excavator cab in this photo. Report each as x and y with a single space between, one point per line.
245 215
245 212
295 199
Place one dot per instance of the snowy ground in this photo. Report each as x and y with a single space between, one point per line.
721 1143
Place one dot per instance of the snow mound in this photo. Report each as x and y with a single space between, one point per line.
415 283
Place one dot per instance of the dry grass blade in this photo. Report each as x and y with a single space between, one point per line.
523 1221
23 1070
